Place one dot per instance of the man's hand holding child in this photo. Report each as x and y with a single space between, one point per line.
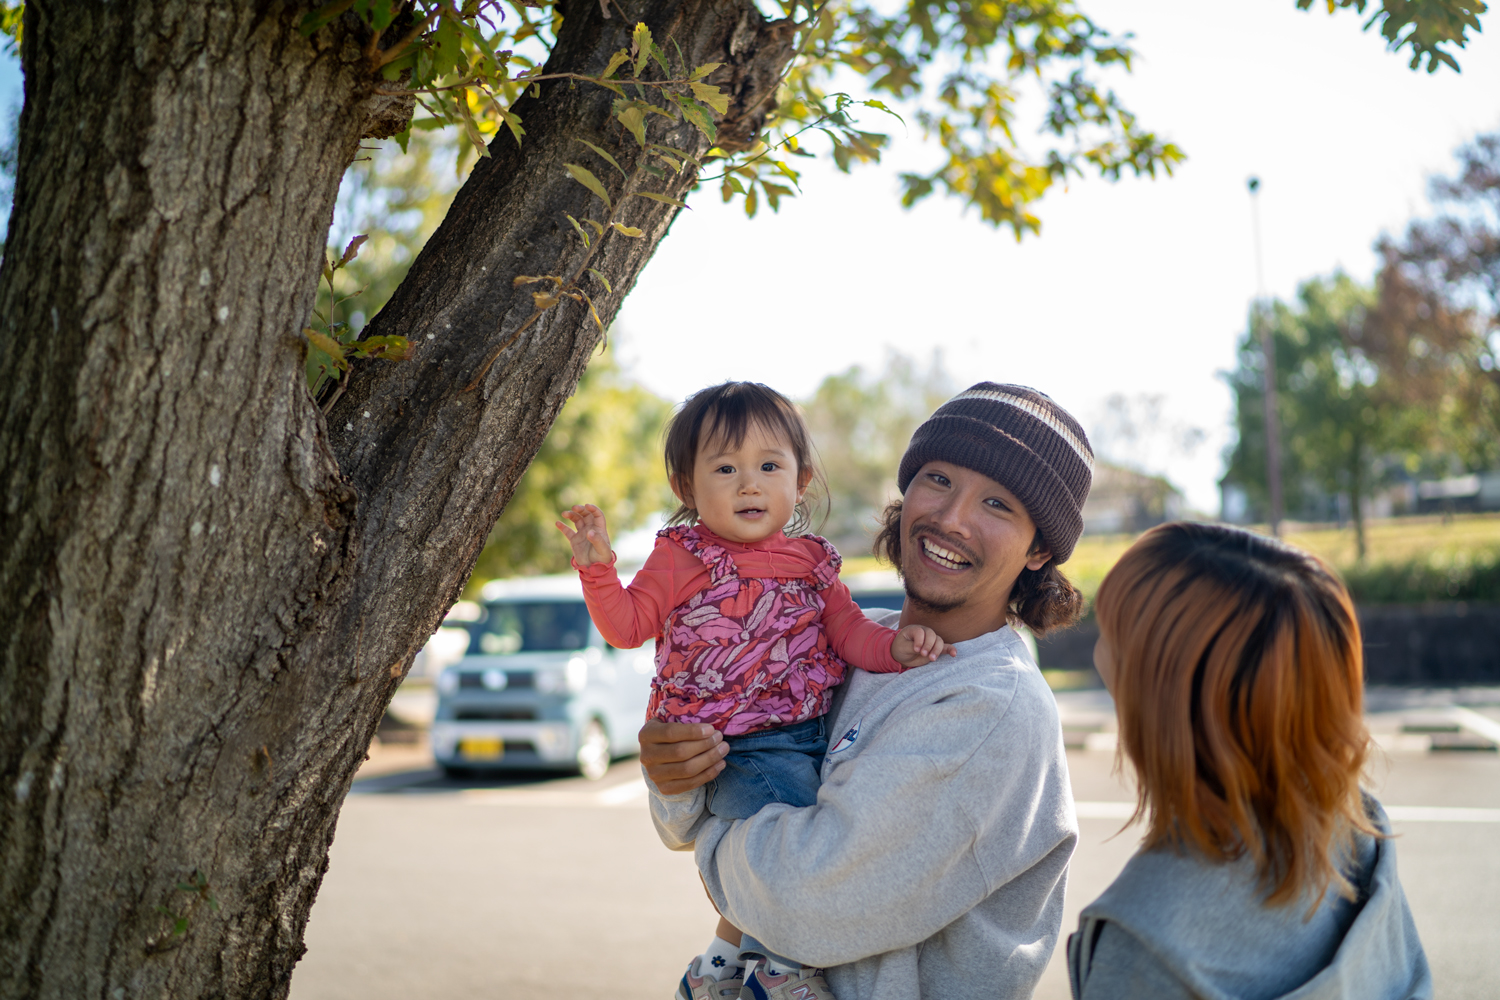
590 540
918 645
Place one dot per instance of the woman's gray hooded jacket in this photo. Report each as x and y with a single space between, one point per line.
1175 926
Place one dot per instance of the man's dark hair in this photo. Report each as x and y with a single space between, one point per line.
726 412
1042 599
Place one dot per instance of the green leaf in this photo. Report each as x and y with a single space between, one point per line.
679 153
712 96
661 198
446 46
598 229
661 60
617 60
624 230
472 32
392 70
699 116
634 119
640 47
315 19
774 194
603 280
609 159
583 176
382 13
586 240
402 138
704 70
513 122
390 346
750 203
470 128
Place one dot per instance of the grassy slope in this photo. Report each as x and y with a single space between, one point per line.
1410 559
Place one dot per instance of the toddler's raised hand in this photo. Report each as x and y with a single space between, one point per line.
590 540
917 645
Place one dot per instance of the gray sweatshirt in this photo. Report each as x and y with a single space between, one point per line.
935 859
1175 926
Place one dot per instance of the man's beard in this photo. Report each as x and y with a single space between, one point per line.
926 604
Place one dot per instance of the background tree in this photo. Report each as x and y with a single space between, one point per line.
1437 325
861 423
212 581
1353 415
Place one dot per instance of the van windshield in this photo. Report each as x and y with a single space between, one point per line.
530 627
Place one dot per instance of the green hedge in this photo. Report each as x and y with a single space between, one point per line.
1463 576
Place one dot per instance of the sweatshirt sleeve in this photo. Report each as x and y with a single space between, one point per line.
628 616
952 799
857 639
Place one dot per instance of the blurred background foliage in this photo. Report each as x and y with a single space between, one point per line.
861 422
1387 383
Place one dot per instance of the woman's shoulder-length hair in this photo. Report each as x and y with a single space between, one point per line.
1239 687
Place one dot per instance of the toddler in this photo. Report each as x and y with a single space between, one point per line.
753 628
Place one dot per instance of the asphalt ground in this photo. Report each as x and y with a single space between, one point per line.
534 886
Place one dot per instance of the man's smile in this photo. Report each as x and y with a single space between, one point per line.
943 556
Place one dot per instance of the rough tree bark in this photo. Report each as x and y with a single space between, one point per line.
208 592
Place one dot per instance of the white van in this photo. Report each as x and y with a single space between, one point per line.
538 687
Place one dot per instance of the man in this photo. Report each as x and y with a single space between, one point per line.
935 860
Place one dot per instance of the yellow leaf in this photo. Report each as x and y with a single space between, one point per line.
634 119
712 96
609 159
640 45
659 197
327 345
583 176
543 300
615 62
702 71
630 231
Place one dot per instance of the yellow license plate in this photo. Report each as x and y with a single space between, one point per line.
481 747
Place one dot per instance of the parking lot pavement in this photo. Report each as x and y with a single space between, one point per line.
535 886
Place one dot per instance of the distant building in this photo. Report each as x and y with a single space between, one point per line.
1123 500
1474 492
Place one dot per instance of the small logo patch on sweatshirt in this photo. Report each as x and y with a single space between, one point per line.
847 740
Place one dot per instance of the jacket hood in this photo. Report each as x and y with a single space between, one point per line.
1206 922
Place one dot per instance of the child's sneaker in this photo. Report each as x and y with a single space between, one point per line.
694 987
804 984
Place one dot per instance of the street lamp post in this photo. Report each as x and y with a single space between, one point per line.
1268 353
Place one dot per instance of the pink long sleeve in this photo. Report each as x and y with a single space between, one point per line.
628 616
858 641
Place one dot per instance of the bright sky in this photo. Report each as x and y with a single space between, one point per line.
1138 287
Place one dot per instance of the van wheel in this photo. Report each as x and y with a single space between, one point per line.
457 773
593 751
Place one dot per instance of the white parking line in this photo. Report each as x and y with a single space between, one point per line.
1398 814
1441 814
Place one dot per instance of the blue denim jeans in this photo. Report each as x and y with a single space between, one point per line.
774 765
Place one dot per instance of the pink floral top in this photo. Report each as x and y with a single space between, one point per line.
744 653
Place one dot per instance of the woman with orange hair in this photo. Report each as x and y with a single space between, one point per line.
1266 872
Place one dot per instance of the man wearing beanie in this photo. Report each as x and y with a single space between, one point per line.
935 860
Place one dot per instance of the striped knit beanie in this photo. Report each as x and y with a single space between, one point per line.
1025 442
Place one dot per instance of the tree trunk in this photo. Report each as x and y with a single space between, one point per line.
1356 497
208 593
